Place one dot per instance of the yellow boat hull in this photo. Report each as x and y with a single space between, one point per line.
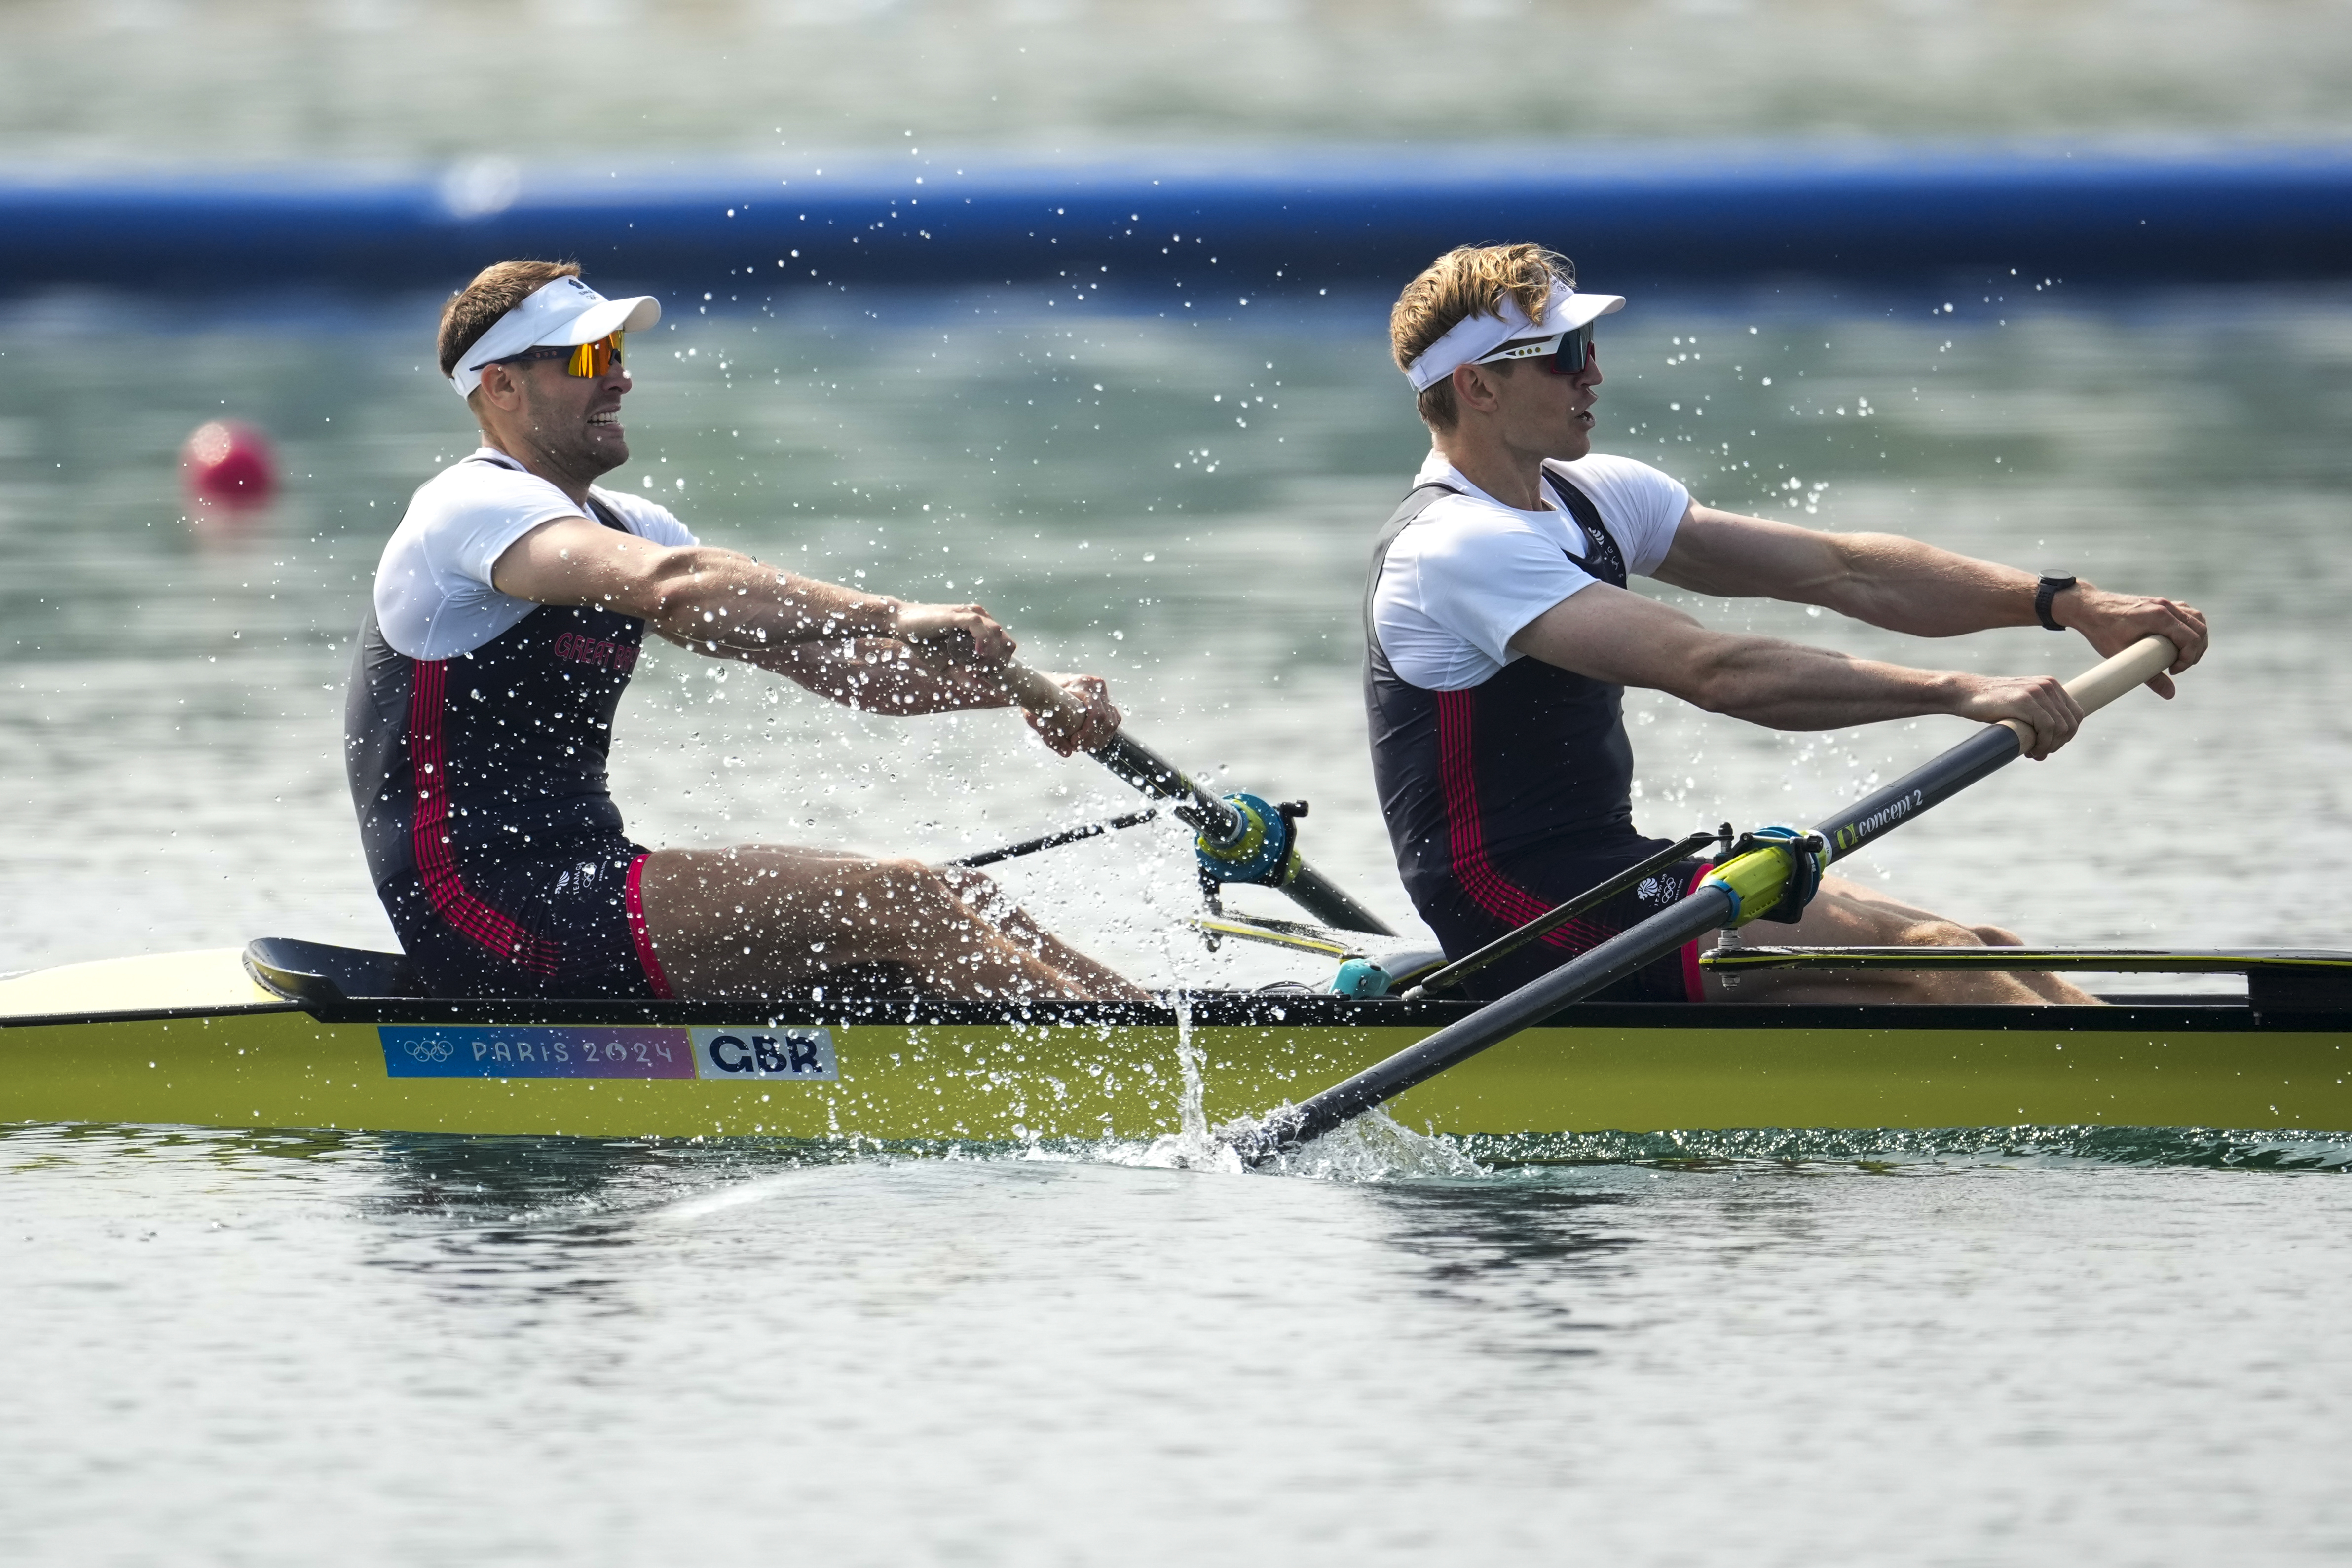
190 1039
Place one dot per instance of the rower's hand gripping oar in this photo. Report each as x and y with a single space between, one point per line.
1239 838
1741 889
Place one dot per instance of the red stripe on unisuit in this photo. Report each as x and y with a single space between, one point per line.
1467 837
640 933
445 889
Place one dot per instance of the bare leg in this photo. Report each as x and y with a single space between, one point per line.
986 900
745 921
1847 914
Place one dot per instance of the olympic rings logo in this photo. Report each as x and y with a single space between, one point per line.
430 1051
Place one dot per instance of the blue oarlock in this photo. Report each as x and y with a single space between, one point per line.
1361 978
1260 847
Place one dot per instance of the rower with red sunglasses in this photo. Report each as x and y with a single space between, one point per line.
1501 635
508 609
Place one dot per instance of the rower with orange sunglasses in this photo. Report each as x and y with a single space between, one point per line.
508 610
582 360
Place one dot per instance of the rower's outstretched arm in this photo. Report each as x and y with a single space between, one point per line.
864 650
711 598
876 675
1907 586
885 674
1626 640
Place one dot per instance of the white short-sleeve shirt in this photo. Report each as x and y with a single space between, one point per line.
1467 574
433 593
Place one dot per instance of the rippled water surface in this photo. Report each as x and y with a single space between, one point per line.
1777 1348
414 1351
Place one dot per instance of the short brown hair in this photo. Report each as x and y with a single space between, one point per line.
495 289
1468 280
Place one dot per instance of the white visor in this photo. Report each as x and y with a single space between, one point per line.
1474 337
565 312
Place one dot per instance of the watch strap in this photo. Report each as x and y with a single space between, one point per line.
2052 584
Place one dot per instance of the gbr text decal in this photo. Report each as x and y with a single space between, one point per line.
735 1054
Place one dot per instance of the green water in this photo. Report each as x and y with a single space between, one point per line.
262 1350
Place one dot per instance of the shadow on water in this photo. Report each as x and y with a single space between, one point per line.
40 1145
1544 1249
491 1180
1527 1261
495 1219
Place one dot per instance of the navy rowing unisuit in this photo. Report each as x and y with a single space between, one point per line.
479 770
1512 794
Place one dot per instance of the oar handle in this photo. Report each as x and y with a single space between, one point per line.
2104 683
1040 694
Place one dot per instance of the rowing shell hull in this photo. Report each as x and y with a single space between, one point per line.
190 1039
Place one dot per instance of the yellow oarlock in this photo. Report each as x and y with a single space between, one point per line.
1758 881
1755 881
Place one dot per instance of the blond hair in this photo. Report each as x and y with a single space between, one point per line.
1468 280
495 289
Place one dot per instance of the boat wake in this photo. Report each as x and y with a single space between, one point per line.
1373 1148
1892 1150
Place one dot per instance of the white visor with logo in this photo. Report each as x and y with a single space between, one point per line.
562 312
1474 337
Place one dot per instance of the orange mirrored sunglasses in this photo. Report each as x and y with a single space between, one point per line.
582 359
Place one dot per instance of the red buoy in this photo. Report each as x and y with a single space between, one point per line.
229 464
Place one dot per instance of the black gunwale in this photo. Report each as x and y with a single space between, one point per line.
1232 1009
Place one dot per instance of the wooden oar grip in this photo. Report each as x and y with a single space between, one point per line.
1039 694
2135 666
2104 681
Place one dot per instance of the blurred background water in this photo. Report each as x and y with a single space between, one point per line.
1785 1347
257 80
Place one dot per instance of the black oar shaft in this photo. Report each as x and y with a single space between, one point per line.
1160 779
1530 1005
1156 776
1327 901
1055 840
1981 754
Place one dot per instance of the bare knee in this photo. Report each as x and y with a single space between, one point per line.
1955 933
1951 933
908 884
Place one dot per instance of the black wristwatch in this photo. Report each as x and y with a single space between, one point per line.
2052 584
